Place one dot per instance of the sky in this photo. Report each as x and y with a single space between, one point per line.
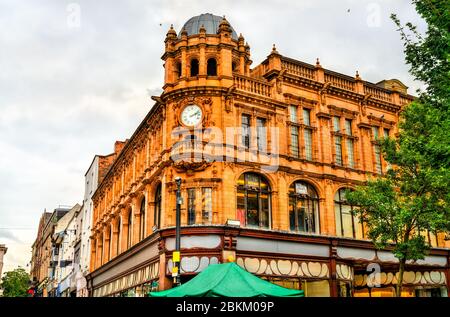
77 75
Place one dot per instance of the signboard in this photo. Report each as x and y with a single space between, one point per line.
176 256
301 189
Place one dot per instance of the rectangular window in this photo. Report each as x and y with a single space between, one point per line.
351 156
377 151
261 134
386 133
307 133
348 127
207 205
293 113
191 206
307 117
246 131
375 132
336 124
294 142
338 145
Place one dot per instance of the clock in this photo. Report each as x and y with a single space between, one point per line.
191 115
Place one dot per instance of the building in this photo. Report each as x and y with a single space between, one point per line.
39 270
41 261
96 172
3 250
264 154
62 262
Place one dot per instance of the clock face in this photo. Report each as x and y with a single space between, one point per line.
191 115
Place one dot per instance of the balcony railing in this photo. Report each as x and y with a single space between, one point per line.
298 69
340 82
252 85
378 93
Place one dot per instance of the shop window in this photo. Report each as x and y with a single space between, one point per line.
320 288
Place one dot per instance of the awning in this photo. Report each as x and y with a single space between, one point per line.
228 280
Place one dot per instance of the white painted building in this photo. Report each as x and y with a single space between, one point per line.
85 223
63 252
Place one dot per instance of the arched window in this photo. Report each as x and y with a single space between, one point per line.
211 68
157 215
142 220
130 228
303 208
194 67
347 224
253 201
119 231
178 70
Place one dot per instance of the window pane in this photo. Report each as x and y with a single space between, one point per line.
307 117
347 221
348 126
377 158
206 205
337 140
359 234
292 222
386 133
293 113
252 209
337 215
316 288
252 180
351 156
294 141
308 144
261 134
375 132
246 131
265 221
241 207
336 124
191 206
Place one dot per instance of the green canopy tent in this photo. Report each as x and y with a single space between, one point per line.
227 280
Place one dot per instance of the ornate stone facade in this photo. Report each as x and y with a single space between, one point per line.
300 131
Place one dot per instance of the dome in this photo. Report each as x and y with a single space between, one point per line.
209 21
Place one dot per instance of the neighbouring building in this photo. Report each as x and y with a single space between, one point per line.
41 261
95 174
265 155
62 261
3 250
39 270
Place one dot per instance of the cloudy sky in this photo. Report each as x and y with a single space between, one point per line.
77 75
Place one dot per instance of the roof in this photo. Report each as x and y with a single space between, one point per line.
209 21
228 280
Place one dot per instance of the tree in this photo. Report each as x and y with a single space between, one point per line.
15 283
413 197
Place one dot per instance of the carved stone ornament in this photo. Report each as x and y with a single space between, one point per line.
183 166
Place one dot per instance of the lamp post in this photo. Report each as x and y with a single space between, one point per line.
176 254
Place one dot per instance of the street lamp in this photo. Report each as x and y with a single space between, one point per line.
176 254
